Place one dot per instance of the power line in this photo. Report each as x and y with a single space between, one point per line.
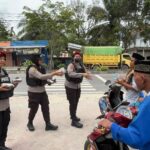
11 13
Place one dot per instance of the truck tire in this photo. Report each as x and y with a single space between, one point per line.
125 67
96 66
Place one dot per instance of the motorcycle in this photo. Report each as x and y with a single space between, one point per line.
116 110
111 98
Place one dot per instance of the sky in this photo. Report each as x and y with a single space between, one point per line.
11 10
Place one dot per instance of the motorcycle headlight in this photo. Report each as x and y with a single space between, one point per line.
125 111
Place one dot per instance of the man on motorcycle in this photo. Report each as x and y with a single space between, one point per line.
132 93
137 134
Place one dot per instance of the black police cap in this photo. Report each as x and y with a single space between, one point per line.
142 66
137 56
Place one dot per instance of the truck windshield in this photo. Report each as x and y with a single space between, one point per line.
127 57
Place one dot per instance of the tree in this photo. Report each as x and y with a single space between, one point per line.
145 25
125 21
101 33
78 8
4 34
53 22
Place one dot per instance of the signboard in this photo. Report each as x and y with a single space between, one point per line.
4 43
30 43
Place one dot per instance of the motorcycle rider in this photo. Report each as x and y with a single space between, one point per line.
5 93
36 78
137 134
132 93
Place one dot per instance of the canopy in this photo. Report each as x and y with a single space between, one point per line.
102 50
35 43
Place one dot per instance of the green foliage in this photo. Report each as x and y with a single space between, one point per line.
104 68
125 19
101 68
61 66
56 63
4 35
26 63
118 20
97 68
54 22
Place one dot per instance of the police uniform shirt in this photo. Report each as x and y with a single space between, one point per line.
34 73
73 74
4 104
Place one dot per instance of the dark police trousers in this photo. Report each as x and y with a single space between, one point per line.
36 99
4 122
73 96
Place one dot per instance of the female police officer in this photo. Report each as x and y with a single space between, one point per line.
36 78
74 76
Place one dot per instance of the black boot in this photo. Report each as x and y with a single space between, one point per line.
5 148
50 126
76 124
76 119
30 126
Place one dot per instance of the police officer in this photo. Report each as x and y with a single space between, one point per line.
5 93
36 78
74 76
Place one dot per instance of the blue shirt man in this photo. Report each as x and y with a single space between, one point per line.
137 134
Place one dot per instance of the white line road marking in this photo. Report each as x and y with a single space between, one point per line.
64 90
101 78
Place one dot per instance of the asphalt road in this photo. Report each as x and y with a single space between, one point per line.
97 83
67 137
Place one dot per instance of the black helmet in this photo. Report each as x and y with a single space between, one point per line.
35 59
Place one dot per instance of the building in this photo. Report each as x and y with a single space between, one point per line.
18 52
140 47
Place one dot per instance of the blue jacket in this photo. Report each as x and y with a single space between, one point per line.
137 135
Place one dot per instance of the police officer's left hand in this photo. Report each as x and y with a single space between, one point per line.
87 76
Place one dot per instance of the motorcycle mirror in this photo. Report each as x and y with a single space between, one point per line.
108 82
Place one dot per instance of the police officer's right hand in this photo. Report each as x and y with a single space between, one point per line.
87 76
4 88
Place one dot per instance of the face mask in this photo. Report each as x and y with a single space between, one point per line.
77 60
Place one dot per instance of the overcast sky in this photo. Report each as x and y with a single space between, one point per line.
11 10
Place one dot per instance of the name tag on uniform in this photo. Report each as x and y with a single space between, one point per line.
5 79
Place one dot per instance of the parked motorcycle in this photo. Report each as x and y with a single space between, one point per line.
115 110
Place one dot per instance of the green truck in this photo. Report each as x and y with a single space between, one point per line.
110 56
